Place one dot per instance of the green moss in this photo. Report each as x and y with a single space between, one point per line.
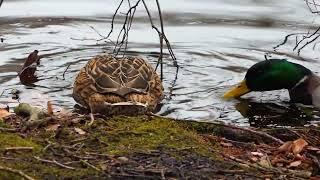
3 124
121 136
131 135
14 140
45 171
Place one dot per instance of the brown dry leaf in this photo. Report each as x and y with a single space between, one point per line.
4 112
294 164
286 147
79 131
49 108
52 127
298 145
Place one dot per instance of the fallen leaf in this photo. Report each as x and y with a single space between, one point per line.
226 144
4 112
52 127
286 147
311 148
254 159
264 162
299 157
279 164
49 108
123 159
257 154
294 164
79 131
298 145
76 120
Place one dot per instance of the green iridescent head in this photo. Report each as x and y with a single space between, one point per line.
272 74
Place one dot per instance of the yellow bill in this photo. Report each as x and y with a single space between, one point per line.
239 90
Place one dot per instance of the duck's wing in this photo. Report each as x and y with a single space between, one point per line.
120 76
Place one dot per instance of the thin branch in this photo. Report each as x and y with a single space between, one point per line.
54 162
15 171
112 21
306 37
125 29
2 129
90 165
161 40
163 36
64 72
18 149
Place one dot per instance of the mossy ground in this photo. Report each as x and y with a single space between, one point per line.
96 150
117 148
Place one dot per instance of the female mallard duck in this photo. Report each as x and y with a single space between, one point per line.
111 86
274 74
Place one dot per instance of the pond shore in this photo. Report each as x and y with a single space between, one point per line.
144 147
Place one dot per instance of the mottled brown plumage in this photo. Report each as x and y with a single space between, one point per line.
110 85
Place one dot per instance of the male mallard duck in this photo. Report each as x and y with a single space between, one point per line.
110 86
274 74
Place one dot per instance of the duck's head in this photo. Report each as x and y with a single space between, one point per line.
272 74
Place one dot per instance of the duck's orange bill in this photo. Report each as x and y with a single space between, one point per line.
239 90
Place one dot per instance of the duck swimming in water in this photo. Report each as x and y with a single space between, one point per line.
112 86
274 74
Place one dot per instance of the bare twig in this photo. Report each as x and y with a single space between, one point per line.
161 40
15 171
90 165
121 43
2 129
18 149
112 22
64 72
162 37
54 162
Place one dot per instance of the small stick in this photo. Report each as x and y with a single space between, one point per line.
64 72
2 129
15 171
18 149
54 162
90 165
91 119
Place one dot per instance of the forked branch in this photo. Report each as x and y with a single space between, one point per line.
121 43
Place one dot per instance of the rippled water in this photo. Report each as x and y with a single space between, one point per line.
214 41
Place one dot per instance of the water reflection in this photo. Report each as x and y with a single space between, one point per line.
271 114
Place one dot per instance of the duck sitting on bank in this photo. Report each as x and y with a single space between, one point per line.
118 86
274 74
